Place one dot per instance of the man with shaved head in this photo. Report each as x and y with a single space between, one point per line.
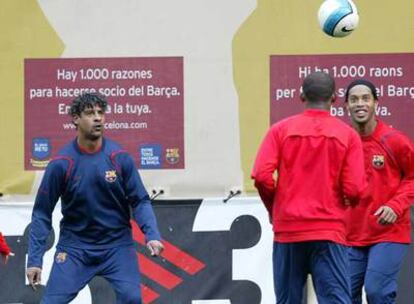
319 161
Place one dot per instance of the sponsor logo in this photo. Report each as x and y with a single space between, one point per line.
150 156
41 149
110 176
378 161
172 155
61 257
345 30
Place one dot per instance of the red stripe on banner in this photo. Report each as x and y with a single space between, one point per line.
156 273
172 253
148 295
181 259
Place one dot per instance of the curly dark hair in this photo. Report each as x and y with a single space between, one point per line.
87 100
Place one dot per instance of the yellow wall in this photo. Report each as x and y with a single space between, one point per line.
274 27
25 33
291 27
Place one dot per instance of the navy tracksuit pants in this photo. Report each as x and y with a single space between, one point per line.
326 261
376 267
73 268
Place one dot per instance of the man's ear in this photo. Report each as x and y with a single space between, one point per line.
302 97
75 119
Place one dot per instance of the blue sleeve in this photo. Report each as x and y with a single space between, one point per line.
48 194
138 198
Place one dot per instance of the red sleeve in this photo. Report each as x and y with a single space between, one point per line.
404 197
4 248
267 161
353 178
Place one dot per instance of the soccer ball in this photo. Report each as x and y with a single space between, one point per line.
338 18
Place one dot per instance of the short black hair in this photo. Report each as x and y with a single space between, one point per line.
364 82
318 87
85 101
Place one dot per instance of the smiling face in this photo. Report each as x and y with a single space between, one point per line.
90 123
361 105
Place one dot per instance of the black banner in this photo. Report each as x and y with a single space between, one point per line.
198 264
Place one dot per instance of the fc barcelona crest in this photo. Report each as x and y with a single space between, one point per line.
378 161
61 257
110 176
172 155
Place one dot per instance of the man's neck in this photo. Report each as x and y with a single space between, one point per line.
90 146
318 106
367 128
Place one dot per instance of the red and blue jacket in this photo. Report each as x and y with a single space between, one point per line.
99 192
389 165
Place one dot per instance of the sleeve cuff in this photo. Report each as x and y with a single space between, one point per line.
152 236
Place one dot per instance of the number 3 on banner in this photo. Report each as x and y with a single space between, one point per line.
252 264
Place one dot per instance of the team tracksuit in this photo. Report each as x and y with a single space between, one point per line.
378 250
319 160
98 192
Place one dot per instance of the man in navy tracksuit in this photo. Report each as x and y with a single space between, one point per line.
99 186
